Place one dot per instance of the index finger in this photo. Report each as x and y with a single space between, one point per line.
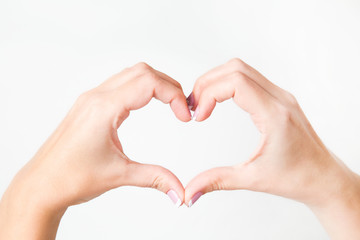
147 83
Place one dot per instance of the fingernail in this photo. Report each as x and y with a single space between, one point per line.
174 198
190 101
196 113
195 198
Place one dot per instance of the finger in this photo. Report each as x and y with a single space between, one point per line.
221 178
247 94
157 177
168 78
169 93
141 68
177 105
137 92
205 80
233 66
116 80
255 75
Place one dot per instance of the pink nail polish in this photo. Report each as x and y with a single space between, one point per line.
196 113
195 198
190 101
174 198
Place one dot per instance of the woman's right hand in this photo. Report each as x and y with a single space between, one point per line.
290 161
84 158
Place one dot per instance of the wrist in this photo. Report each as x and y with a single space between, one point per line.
338 204
340 216
339 185
33 187
26 217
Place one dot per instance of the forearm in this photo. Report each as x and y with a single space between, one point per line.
24 216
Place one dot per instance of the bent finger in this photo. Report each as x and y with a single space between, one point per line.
246 93
138 92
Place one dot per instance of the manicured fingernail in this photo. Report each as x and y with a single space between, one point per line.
190 101
174 198
195 198
196 113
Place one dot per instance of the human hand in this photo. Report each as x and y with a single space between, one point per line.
290 161
84 158
290 154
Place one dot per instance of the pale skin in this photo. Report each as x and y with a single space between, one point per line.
83 158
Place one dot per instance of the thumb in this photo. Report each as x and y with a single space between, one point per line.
220 178
153 176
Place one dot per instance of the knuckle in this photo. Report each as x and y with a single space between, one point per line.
200 84
237 63
207 95
291 99
158 182
84 97
235 60
215 185
127 69
284 114
239 78
94 101
142 67
88 98
97 100
178 85
149 79
178 93
152 79
216 182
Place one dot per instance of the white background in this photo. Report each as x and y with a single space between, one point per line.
51 51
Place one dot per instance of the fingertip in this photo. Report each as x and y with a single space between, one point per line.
220 178
173 185
191 196
154 176
173 189
194 199
174 197
179 189
203 110
194 190
181 110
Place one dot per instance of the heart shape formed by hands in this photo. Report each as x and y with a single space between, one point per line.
277 116
84 158
89 159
